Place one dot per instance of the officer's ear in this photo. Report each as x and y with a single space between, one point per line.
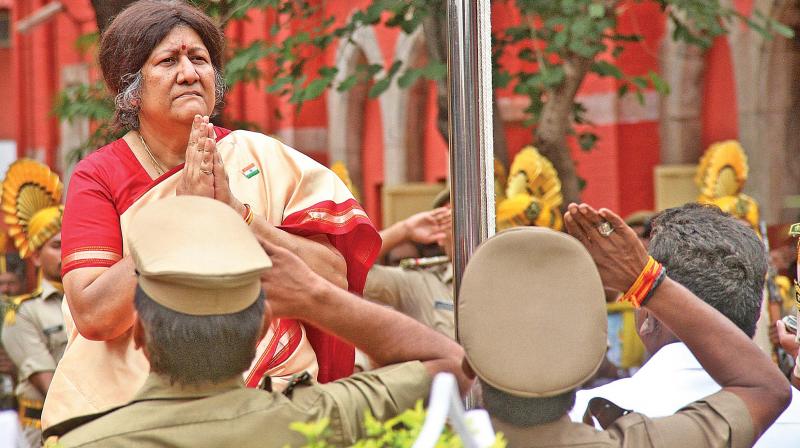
36 259
139 336
267 320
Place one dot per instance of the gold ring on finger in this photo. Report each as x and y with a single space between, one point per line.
605 228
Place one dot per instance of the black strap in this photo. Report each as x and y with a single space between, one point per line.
33 413
297 380
605 411
68 425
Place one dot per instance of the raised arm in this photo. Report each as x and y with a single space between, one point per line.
316 251
424 228
723 350
384 335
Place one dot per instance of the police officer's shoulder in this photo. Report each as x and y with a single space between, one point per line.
16 303
55 432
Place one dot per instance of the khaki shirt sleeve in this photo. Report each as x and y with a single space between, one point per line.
384 285
720 420
384 392
27 345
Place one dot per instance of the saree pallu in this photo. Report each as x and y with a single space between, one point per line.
282 185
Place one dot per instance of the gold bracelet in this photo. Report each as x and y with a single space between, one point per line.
248 214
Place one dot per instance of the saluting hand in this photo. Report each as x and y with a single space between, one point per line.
429 226
197 178
619 256
290 285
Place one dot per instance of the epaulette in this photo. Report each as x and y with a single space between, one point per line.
794 230
14 304
421 263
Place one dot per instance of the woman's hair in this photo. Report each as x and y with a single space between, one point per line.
130 38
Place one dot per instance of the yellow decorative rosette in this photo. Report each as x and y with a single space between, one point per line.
31 203
341 171
533 193
500 180
721 177
723 170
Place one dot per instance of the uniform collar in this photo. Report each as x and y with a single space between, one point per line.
561 432
158 387
48 290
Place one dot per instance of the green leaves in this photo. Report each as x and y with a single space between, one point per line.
383 84
658 82
398 432
243 66
583 33
587 140
433 71
90 101
597 10
605 68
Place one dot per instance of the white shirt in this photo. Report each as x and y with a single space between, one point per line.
670 380
10 431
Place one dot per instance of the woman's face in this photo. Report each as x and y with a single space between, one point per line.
178 79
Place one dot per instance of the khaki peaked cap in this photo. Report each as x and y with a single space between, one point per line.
531 313
196 255
442 198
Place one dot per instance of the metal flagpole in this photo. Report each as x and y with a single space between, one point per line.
471 145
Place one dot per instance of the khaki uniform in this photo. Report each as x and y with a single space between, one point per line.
35 340
425 294
720 420
228 414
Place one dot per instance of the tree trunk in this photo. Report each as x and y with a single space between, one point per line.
554 125
106 10
435 29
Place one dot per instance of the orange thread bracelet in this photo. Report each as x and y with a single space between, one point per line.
651 277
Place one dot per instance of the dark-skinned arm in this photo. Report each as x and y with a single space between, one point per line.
724 351
384 335
41 381
424 228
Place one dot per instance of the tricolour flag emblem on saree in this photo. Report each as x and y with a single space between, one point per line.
250 170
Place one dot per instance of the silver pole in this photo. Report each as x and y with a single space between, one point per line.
471 145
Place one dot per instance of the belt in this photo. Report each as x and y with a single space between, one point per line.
30 412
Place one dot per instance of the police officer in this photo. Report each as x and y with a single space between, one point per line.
200 310
420 287
33 332
531 317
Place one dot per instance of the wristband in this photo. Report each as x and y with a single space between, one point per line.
649 279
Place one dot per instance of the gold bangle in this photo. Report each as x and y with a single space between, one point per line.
248 214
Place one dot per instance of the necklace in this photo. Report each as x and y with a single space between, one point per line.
159 168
